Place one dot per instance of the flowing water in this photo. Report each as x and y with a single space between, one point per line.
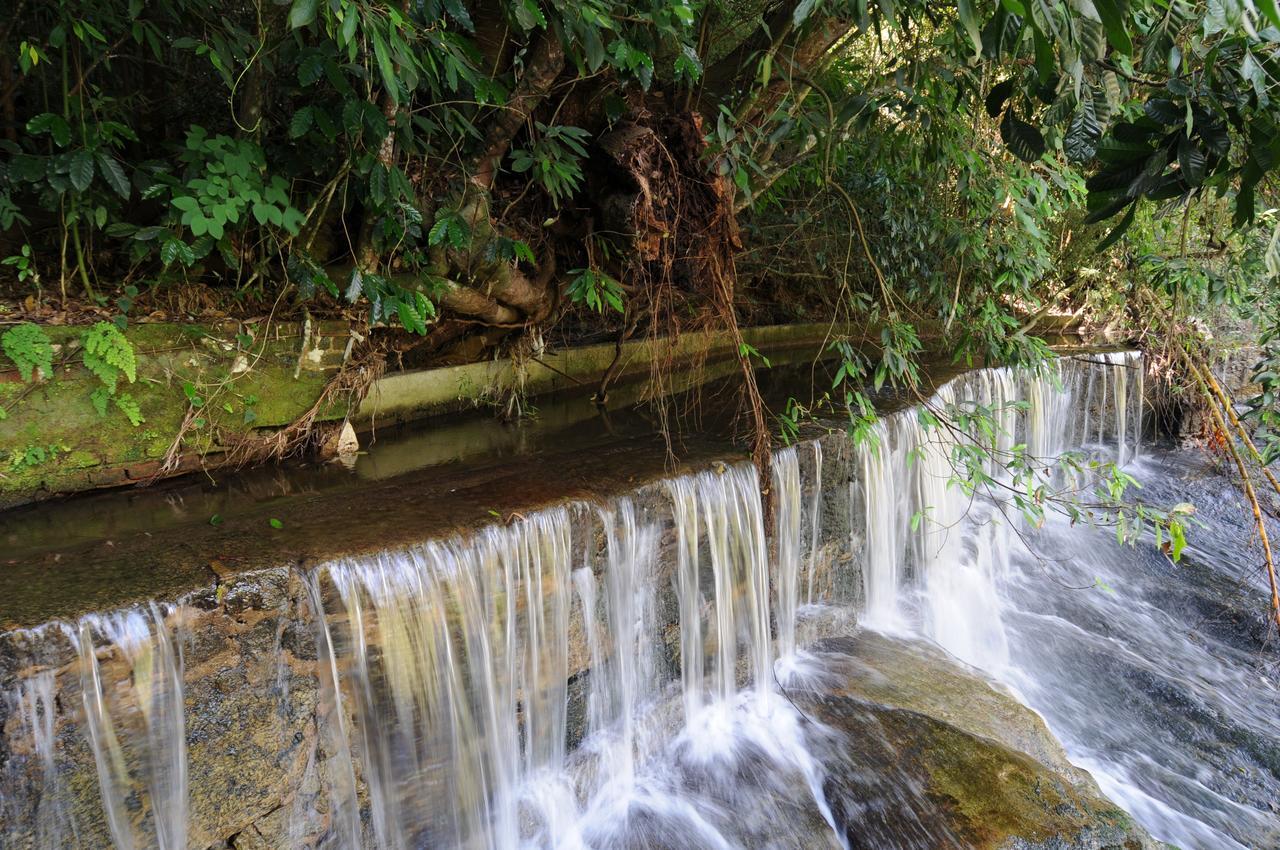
616 677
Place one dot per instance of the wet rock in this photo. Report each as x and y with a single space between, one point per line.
926 754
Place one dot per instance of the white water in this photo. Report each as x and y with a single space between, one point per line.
1017 601
457 677
145 722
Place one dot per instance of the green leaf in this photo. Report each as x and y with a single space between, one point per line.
30 348
300 123
54 125
1114 236
409 317
458 11
1081 140
108 354
529 16
114 174
169 251
81 170
302 13
215 520
688 65
1191 162
1164 111
100 398
126 404
1025 141
1113 23
1177 540
969 23
802 11
1271 10
385 66
275 523
997 96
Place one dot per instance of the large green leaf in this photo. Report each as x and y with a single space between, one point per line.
1026 142
1191 162
1081 140
997 96
969 23
81 170
1113 22
1119 229
385 66
302 13
1272 11
1104 205
113 173
55 125
1165 111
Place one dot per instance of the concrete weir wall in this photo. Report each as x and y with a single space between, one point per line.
202 388
253 699
90 751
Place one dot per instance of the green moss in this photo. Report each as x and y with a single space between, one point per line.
80 459
99 448
990 793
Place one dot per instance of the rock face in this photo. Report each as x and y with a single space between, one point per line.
927 754
250 708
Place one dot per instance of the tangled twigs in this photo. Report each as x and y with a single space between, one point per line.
347 387
682 231
1216 406
1227 406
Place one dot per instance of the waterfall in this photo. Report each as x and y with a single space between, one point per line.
884 499
815 522
35 708
444 649
153 701
789 559
622 680
589 669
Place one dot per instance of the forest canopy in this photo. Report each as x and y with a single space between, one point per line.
489 176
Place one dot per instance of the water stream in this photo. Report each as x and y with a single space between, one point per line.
617 676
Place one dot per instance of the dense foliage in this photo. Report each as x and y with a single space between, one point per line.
471 176
464 169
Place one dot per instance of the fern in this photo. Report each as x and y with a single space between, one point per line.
130 409
108 354
29 347
100 397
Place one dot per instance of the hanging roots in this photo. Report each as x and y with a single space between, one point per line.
684 237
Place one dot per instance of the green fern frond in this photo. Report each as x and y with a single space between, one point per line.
29 347
108 354
130 409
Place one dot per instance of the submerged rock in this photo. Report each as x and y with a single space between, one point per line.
924 753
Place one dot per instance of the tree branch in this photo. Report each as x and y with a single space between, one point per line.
546 61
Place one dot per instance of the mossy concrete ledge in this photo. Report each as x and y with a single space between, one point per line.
208 382
216 383
408 396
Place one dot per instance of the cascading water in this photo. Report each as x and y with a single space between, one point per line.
1082 627
614 677
135 726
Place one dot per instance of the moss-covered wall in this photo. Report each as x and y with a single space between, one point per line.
229 380
222 380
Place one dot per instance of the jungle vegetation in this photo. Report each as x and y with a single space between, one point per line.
471 178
